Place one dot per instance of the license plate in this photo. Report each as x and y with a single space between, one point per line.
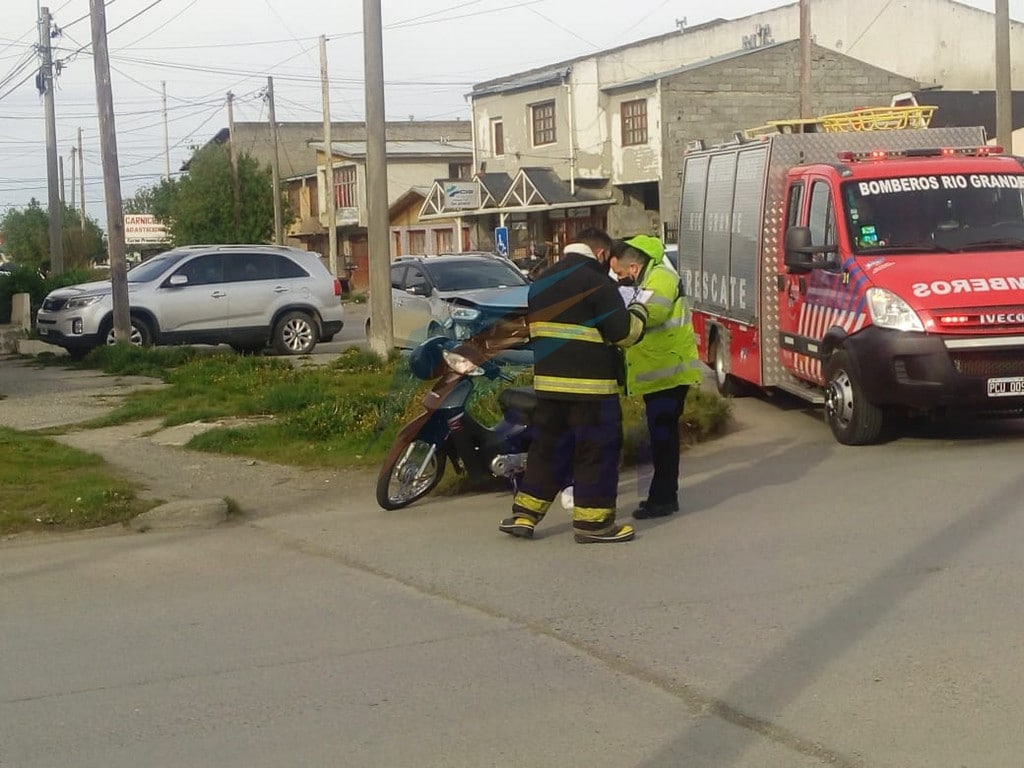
1006 386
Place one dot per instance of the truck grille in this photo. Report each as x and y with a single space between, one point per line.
989 363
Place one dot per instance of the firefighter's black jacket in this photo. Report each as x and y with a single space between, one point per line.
578 322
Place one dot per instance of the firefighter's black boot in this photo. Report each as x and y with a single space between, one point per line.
518 526
611 535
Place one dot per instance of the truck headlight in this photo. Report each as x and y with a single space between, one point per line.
890 311
82 301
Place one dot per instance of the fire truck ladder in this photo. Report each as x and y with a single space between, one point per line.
865 119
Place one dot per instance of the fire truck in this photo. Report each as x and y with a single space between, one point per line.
863 261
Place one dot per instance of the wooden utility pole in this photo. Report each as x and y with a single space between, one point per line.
381 324
332 218
167 139
275 166
45 85
111 174
73 149
236 186
1004 92
805 58
81 178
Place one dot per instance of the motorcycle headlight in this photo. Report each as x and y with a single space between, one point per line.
464 314
82 301
462 364
890 311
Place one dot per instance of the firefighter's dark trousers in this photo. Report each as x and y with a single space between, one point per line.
577 442
661 449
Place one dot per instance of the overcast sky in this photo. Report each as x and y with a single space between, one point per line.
434 51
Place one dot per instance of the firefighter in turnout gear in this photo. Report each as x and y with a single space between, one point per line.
579 325
662 368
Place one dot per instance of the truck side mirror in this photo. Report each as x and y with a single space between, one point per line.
800 254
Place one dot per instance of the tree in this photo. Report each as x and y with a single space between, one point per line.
141 201
199 206
26 232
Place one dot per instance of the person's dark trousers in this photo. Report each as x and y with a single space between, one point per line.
664 409
577 442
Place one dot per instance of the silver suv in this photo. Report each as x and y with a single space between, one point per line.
247 296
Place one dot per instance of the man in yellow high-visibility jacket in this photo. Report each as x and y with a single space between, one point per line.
662 367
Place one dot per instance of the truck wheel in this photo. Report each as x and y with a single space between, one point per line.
728 385
852 419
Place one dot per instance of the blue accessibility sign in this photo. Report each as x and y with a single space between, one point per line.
501 240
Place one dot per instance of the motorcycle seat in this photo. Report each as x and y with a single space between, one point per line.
519 399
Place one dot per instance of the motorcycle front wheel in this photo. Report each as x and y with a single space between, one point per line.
411 476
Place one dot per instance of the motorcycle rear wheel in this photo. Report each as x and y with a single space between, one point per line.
401 483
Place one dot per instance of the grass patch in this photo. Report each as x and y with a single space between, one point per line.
343 414
44 484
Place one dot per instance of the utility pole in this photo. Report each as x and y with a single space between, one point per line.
275 166
167 140
236 186
332 218
1004 92
381 323
81 177
73 149
63 189
805 58
44 82
111 174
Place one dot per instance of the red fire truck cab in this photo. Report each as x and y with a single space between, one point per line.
871 272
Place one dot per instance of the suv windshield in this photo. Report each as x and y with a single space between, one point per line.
935 213
470 274
151 268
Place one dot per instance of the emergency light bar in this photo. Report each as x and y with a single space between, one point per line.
883 154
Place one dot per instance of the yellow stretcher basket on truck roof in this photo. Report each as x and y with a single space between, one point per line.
866 119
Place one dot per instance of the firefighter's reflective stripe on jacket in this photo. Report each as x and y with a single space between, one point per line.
578 325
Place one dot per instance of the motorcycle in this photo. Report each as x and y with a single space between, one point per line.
446 432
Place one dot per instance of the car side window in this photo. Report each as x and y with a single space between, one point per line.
397 276
285 267
247 267
203 270
822 220
416 282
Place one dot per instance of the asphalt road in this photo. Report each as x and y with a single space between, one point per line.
813 604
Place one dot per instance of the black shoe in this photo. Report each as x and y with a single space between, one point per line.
647 509
517 526
619 533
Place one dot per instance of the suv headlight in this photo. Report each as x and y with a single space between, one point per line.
464 314
890 311
80 302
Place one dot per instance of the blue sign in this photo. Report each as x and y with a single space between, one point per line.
501 240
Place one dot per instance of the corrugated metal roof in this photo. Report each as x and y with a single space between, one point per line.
400 148
553 75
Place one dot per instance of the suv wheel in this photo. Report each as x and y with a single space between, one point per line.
295 334
141 335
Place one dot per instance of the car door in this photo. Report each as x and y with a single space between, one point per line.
260 284
416 304
192 300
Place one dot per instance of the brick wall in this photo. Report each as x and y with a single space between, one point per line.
714 101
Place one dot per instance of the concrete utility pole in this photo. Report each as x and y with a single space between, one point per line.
63 189
1004 92
236 186
44 82
332 219
381 324
275 166
805 58
111 174
167 139
81 178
